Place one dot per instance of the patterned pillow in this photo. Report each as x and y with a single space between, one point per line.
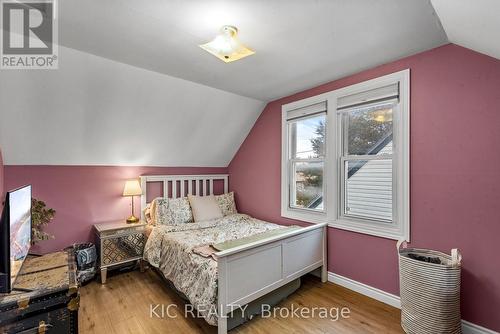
173 211
226 203
159 209
147 214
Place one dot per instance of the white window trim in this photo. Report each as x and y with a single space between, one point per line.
307 215
331 202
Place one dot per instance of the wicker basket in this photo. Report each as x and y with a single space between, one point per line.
86 261
430 292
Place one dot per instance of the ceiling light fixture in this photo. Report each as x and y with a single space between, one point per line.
382 116
226 46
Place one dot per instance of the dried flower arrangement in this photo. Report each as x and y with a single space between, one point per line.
41 216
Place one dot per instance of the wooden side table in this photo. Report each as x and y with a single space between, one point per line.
119 243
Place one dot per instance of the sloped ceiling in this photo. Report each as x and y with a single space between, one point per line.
474 24
95 111
299 43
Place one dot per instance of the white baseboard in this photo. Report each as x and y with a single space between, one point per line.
380 295
470 328
393 300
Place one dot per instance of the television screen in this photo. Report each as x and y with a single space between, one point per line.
20 228
15 235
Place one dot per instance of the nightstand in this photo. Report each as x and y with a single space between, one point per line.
119 243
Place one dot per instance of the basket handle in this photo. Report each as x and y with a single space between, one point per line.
456 257
401 242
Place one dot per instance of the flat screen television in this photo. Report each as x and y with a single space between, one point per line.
15 235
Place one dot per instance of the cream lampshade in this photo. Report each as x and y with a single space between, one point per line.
132 188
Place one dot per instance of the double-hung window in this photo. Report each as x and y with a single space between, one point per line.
305 132
357 177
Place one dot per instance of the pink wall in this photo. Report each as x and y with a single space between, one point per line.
85 195
455 175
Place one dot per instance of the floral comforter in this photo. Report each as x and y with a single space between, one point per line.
170 249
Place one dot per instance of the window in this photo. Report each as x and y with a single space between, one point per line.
366 162
306 161
305 132
358 178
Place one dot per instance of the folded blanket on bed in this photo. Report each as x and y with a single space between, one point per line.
209 250
205 251
253 238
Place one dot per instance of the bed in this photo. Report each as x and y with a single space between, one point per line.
252 257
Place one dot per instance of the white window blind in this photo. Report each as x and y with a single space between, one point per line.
370 96
313 109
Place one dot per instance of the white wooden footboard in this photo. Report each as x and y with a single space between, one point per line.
253 270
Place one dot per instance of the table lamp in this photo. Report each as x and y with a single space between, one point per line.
132 188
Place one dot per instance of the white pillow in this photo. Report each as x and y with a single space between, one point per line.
204 208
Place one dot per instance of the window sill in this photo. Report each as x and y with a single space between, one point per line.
394 233
305 216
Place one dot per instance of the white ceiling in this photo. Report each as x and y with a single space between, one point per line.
95 111
474 24
299 43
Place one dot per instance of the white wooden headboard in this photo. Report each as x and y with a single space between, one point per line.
181 185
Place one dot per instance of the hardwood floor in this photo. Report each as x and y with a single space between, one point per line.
122 305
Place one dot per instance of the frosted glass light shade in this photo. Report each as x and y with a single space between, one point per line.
132 188
226 46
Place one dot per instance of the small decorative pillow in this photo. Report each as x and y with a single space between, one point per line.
180 211
226 203
153 208
147 214
173 211
204 208
159 210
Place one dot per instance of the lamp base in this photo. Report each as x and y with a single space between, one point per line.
132 220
